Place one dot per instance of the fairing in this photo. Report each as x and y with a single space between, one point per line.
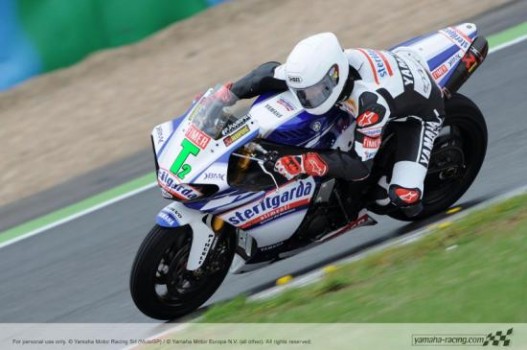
193 154
442 51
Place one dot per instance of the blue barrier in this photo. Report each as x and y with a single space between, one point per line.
18 59
28 31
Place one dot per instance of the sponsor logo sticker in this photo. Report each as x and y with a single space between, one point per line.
197 137
457 37
378 64
215 176
179 167
159 134
231 127
273 205
381 63
274 111
370 142
229 140
170 215
371 132
198 110
170 184
286 104
206 248
367 118
470 61
439 71
167 218
454 59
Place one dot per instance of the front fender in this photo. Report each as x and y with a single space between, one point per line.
175 215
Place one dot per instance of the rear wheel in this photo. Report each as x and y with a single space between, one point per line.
160 284
456 159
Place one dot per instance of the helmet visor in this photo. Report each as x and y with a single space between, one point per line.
314 95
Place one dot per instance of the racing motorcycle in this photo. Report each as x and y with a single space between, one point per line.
231 212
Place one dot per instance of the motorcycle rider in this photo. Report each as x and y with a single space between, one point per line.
376 87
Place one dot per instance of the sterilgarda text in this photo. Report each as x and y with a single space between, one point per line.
272 206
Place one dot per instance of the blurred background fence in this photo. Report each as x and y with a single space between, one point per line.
38 36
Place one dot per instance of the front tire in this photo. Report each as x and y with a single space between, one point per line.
160 284
456 157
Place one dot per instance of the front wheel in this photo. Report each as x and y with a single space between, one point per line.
456 159
160 284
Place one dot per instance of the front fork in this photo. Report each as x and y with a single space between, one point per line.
203 226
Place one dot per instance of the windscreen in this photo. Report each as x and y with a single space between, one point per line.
213 111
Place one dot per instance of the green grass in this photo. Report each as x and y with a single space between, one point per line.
474 270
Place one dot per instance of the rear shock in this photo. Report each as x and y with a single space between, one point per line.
472 59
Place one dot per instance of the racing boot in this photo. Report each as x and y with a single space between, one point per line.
379 202
386 198
408 200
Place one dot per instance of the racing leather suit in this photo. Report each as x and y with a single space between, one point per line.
382 87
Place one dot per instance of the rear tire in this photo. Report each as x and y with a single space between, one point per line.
160 284
468 133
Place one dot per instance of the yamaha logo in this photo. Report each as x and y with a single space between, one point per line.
316 126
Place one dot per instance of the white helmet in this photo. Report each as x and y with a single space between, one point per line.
316 71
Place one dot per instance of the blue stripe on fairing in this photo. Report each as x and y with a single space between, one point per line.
198 204
224 158
219 209
288 133
444 80
175 123
442 57
244 198
238 195
263 97
161 219
412 41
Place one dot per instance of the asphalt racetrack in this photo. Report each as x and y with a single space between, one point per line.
79 271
